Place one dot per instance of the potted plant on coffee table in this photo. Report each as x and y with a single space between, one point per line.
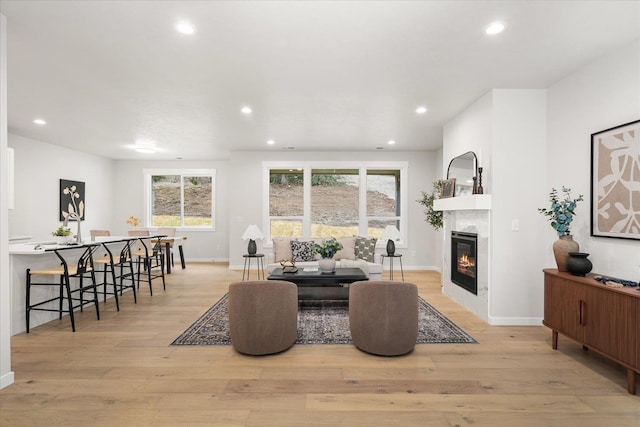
327 249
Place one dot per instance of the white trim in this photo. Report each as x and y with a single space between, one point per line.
10 171
515 321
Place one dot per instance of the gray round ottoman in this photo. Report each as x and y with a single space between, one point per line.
263 316
383 316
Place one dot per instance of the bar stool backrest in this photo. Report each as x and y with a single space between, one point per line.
96 233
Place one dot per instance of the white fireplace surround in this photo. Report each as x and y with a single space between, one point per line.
469 214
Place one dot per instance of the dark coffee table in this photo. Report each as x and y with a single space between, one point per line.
314 285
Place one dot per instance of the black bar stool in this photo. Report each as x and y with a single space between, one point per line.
149 257
83 269
116 267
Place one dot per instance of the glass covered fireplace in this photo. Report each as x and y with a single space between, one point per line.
463 260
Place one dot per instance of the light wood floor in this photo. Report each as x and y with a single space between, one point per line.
121 371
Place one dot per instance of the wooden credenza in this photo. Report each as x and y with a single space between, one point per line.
600 317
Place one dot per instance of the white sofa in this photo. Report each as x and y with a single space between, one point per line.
346 258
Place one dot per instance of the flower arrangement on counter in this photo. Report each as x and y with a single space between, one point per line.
561 212
328 248
133 221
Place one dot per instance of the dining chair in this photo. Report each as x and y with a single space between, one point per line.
149 257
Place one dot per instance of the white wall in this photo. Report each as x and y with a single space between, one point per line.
246 205
604 94
6 374
200 245
38 169
518 155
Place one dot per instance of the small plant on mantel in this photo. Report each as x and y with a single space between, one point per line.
433 217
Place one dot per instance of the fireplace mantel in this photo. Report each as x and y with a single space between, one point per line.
473 202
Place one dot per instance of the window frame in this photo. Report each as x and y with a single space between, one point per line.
147 177
363 218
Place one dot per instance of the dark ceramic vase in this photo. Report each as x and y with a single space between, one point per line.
391 247
578 264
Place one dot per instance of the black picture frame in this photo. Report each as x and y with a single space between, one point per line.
65 198
615 182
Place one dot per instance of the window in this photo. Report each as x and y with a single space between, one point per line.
180 198
334 199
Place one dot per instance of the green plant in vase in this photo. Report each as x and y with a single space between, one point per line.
327 249
561 213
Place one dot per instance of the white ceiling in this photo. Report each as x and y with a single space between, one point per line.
319 75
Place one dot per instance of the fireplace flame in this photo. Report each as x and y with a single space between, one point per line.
467 265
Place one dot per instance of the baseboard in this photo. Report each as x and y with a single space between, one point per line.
515 321
7 379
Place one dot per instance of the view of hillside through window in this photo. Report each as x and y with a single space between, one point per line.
335 202
181 201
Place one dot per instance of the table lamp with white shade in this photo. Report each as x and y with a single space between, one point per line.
390 234
252 233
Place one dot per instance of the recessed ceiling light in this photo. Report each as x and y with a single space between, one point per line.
495 28
185 28
246 110
421 110
391 142
271 142
40 122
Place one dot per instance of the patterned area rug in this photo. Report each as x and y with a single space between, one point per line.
321 324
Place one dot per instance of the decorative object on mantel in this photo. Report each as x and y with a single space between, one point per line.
561 213
615 182
252 233
479 188
327 249
578 264
390 234
448 188
475 185
75 210
434 218
133 221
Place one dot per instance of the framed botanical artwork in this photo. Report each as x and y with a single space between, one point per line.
448 188
71 200
615 182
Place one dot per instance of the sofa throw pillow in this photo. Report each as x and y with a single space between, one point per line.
348 248
365 248
282 249
302 251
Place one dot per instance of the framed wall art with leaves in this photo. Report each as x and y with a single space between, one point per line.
615 182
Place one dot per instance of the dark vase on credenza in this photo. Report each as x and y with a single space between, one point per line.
561 249
578 264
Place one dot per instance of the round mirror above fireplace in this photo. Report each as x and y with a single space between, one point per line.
463 168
